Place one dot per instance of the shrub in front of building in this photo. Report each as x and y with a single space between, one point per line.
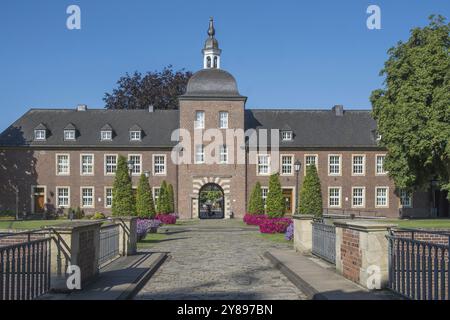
311 194
275 206
170 218
256 204
171 198
123 203
145 207
163 206
254 219
274 225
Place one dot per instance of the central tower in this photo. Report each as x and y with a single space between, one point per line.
211 51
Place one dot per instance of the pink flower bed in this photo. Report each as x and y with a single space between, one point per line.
275 225
254 219
167 218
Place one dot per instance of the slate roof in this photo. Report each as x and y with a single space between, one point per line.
157 127
317 128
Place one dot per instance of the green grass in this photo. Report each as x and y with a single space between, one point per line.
29 224
421 223
275 237
150 239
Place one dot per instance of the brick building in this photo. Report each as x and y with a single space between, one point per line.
53 159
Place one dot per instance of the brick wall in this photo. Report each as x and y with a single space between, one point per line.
350 254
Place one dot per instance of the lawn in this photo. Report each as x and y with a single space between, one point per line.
29 224
275 237
422 223
150 239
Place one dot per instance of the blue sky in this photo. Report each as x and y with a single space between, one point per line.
284 54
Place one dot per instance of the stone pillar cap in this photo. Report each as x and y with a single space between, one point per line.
364 225
303 216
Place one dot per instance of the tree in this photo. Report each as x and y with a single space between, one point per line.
123 203
412 111
311 193
256 204
171 198
159 89
275 206
163 199
145 207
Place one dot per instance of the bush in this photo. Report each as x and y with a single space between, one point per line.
123 199
145 207
98 216
311 194
171 198
167 218
256 204
274 225
275 205
254 219
163 199
289 235
144 226
75 213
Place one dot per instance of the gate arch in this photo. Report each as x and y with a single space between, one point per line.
211 199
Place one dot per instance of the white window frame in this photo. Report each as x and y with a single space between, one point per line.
305 162
106 197
133 173
104 134
264 197
387 197
155 197
402 195
383 172
340 165
363 205
106 173
223 121
258 172
199 155
199 124
363 173
135 135
340 197
223 154
37 135
58 205
92 165
291 165
164 165
57 164
287 135
69 135
93 197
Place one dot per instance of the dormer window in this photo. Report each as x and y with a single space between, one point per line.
106 135
135 135
40 134
69 134
286 135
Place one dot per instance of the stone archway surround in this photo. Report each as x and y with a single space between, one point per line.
223 182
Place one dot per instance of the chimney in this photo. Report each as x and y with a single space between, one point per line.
81 107
151 108
338 110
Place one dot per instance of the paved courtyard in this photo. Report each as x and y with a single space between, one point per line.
217 260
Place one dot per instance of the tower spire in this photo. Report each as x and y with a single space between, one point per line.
211 51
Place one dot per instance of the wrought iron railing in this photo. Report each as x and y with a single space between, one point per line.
109 244
25 269
419 264
324 241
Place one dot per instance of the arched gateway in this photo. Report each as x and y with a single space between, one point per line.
211 200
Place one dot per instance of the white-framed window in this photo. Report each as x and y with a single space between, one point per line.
108 197
87 164
223 154
110 164
106 135
264 192
199 153
358 165
62 164
69 134
334 197
286 135
358 197
63 197
223 120
159 164
156 193
405 199
334 165
87 197
379 164
382 197
287 162
40 134
135 135
311 159
263 167
199 120
136 159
